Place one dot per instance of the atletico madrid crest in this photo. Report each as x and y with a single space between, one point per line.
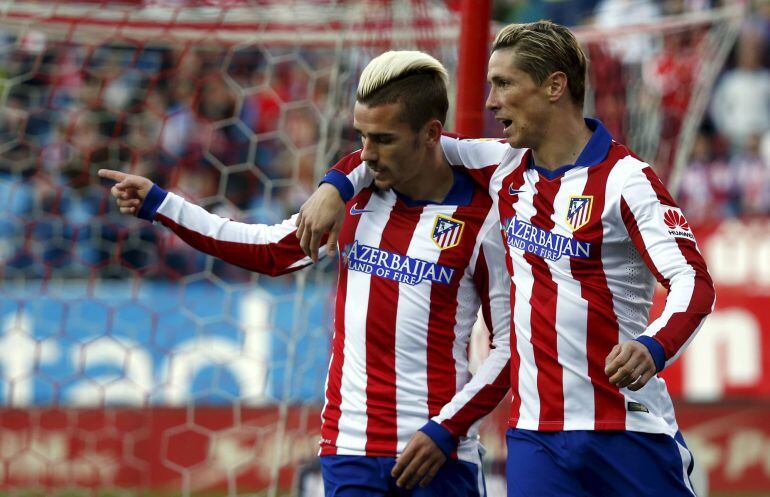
579 211
447 232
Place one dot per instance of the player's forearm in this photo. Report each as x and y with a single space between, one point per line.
690 300
479 396
271 250
491 382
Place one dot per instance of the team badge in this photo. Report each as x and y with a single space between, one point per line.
579 211
447 232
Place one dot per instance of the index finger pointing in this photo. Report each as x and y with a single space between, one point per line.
112 174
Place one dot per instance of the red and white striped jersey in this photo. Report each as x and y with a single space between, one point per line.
412 278
585 245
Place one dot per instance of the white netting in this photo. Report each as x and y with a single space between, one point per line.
650 82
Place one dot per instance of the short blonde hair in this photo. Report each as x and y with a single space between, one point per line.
415 79
395 64
544 47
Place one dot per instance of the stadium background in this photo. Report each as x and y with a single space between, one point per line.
131 365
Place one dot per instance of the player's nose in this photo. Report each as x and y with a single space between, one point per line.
492 102
369 152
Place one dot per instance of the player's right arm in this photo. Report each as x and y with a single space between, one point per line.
324 208
272 250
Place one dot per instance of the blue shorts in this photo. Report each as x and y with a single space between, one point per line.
591 463
362 476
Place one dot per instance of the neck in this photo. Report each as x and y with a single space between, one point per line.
565 138
433 182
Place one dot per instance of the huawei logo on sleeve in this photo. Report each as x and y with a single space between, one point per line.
674 220
677 224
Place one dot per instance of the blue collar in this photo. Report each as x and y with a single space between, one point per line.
594 152
461 192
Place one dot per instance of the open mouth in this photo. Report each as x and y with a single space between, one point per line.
506 123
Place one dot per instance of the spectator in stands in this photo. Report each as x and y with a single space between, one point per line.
740 107
707 189
752 173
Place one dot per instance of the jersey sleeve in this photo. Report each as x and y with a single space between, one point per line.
663 238
350 175
272 250
492 380
480 157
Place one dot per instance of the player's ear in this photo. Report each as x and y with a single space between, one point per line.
433 130
556 85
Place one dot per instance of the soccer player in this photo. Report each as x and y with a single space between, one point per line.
589 227
421 252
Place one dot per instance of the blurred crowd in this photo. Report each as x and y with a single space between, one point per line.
237 131
244 131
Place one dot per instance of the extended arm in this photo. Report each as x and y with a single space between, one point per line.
272 250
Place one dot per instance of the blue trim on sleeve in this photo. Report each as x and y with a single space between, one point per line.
656 350
441 437
340 182
151 203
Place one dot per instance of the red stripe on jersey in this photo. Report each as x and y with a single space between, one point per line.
543 318
442 375
271 258
349 162
506 203
680 326
381 338
602 329
482 175
331 413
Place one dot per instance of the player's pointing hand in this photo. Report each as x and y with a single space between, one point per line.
129 189
630 364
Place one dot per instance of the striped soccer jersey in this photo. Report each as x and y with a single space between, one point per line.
585 244
412 278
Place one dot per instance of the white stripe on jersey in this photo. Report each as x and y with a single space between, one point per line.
353 419
571 307
413 314
522 313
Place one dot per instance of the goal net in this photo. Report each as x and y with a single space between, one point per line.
651 82
130 364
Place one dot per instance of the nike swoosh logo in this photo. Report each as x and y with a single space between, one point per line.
513 191
356 212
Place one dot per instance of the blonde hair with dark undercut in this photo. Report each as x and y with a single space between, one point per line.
415 79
